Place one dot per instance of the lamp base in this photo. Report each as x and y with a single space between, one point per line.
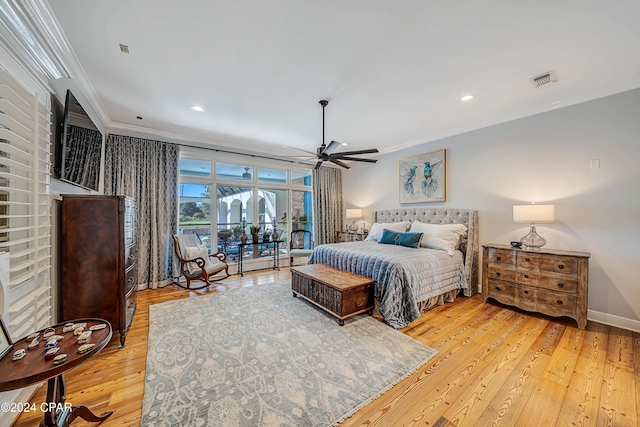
353 227
532 241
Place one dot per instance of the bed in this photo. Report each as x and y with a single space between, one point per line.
408 280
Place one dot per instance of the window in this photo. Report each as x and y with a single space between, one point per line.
268 197
194 167
272 175
195 211
234 172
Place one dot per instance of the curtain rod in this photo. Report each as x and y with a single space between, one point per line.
219 150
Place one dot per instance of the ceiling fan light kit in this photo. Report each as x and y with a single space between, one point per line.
326 152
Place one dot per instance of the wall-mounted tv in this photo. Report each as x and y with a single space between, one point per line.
79 151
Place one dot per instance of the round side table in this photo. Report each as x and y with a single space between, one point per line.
33 369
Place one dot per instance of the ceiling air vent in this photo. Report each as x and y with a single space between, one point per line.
544 79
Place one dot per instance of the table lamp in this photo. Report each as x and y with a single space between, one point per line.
533 214
353 213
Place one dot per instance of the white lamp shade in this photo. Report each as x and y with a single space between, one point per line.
534 214
354 213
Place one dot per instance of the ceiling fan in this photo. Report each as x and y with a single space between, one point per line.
326 153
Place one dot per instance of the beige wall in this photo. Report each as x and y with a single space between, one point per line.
545 158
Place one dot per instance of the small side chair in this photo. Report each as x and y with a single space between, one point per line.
301 244
196 263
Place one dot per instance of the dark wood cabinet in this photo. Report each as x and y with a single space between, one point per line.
99 259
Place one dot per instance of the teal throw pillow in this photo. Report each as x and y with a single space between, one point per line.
389 237
410 240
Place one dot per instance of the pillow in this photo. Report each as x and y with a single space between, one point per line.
199 251
445 237
409 240
378 227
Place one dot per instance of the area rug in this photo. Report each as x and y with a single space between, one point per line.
256 356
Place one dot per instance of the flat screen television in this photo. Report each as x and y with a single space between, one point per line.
79 151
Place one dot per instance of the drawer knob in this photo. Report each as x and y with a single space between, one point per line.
497 288
560 266
499 258
526 292
559 301
498 273
526 276
561 285
527 259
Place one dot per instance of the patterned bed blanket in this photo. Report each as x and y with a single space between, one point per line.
403 276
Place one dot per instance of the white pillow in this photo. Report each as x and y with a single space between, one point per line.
445 237
378 227
200 251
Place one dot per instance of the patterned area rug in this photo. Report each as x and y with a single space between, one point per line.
257 356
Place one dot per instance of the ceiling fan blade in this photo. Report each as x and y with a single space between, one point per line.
318 164
356 159
333 145
338 162
369 151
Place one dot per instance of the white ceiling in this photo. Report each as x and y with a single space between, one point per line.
393 71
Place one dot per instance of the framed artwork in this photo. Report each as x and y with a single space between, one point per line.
422 177
5 339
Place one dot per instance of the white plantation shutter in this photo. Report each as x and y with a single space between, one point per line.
25 209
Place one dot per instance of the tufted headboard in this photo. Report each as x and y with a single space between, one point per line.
470 246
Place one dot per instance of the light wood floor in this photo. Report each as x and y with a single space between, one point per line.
496 366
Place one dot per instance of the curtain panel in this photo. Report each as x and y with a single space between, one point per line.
147 170
327 204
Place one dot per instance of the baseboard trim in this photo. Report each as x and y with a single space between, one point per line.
613 320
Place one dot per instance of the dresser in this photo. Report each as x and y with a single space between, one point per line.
99 259
548 281
346 236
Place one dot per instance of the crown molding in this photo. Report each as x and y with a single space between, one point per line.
33 34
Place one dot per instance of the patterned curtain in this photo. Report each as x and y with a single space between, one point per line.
327 204
147 171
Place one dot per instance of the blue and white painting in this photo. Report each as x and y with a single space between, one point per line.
422 178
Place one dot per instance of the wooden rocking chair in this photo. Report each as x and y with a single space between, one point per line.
196 267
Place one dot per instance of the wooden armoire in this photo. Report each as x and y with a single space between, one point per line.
99 259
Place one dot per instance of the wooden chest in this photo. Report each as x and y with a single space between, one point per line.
553 282
339 293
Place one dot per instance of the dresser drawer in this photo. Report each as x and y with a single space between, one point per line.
130 279
562 265
496 272
527 277
502 291
527 261
526 298
502 256
558 282
556 303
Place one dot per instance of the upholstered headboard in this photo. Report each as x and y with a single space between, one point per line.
470 246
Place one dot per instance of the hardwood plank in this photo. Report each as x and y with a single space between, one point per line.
586 381
618 403
496 365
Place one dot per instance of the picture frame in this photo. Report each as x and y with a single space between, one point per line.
422 178
5 339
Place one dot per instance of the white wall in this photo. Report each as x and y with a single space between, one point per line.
545 158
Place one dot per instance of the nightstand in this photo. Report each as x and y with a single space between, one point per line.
346 236
549 281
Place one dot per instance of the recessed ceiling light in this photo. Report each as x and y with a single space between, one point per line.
344 143
467 97
197 108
